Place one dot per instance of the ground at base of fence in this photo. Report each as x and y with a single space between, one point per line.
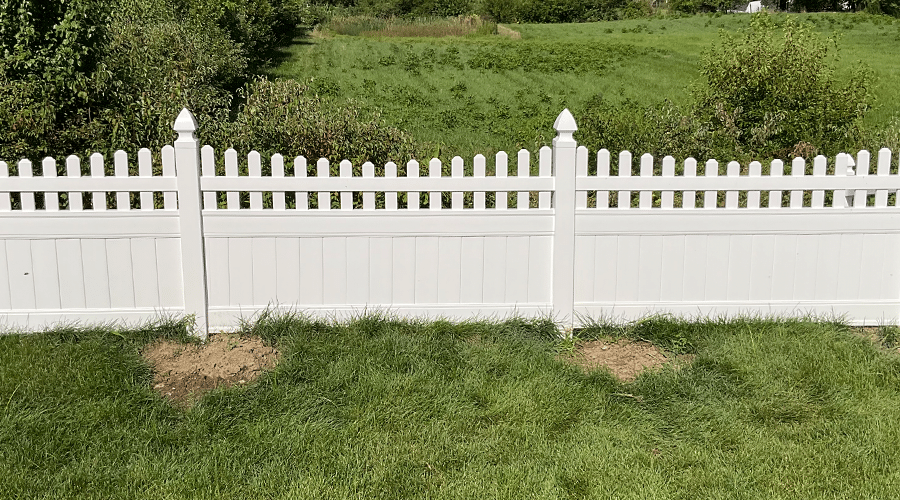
624 358
184 372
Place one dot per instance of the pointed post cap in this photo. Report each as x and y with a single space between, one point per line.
185 125
565 126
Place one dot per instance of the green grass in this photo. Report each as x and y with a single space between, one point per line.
481 94
378 408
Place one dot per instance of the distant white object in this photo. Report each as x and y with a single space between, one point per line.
754 7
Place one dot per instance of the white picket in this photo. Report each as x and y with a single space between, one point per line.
818 196
668 170
456 170
501 170
26 197
51 198
711 197
232 198
581 170
545 165
207 170
434 197
368 171
170 198
624 171
120 163
479 171
884 169
753 196
145 169
731 196
278 173
798 169
346 197
689 197
301 198
323 169
412 197
523 169
645 198
254 169
602 171
860 196
390 197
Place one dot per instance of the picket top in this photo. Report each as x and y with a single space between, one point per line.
185 125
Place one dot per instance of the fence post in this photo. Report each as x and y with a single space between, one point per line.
190 214
564 155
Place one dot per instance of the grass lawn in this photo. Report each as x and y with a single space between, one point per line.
389 409
480 94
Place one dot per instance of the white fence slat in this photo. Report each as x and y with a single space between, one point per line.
120 163
218 271
301 198
265 274
145 169
668 170
312 271
346 197
381 270
826 274
584 265
472 268
740 258
501 169
731 196
170 198
645 198
624 171
51 198
358 271
871 265
762 262
695 249
495 269
46 274
798 169
207 169
96 273
27 198
603 171
672 269
254 169
776 169
5 202
287 263
456 170
21 274
240 271
545 164
628 260
390 197
689 198
849 270
717 257
479 171
426 269
650 273
890 284
516 269
334 263
581 170
4 273
323 169
819 166
168 262
434 197
412 197
539 277
449 278
711 198
884 169
839 196
73 169
71 273
278 173
523 169
145 276
404 266
606 269
784 266
860 196
368 171
755 168
232 198
121 276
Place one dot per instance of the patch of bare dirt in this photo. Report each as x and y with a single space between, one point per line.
183 372
625 359
512 34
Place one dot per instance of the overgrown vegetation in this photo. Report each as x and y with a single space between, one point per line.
384 408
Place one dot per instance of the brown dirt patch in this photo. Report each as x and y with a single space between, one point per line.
625 359
512 34
183 372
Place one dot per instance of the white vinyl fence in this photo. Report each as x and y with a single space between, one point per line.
573 242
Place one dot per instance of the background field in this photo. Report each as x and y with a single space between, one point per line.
483 93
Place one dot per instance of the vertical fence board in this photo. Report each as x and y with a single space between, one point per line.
494 269
585 259
717 257
207 169
516 269
672 270
776 169
73 169
826 275
46 274
121 276
689 198
346 197
171 281
240 271
603 171
849 270
668 170
434 197
628 274
606 268
5 293
731 196
390 197
545 163
323 169
218 271
358 270
301 197
51 198
26 198
740 259
884 168
71 273
890 272
753 196
539 278
170 198
501 169
472 257
581 170
145 169
144 275
426 270
862 170
456 170
645 198
523 169
839 198
818 196
872 265
278 173
381 270
287 265
368 171
334 258
478 171
783 268
762 265
96 273
312 271
265 274
98 198
5 201
404 265
123 198
254 170
695 249
412 198
650 274
449 276
20 268
624 171
798 169
711 198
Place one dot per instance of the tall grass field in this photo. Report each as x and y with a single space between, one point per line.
387 409
480 93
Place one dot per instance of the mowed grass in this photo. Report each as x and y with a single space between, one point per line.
378 408
481 94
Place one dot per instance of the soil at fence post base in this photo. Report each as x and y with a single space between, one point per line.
183 372
625 359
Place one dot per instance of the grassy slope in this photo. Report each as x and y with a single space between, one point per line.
647 60
382 409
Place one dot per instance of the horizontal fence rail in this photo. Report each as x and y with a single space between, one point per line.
221 237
